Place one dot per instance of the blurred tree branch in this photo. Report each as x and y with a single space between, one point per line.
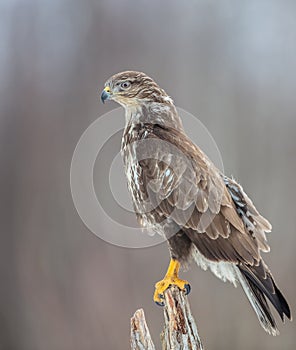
180 331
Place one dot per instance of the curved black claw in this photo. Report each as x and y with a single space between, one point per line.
187 288
159 303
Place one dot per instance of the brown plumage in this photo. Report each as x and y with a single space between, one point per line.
178 192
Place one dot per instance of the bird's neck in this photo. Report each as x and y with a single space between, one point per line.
155 113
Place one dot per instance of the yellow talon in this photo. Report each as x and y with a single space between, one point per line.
170 278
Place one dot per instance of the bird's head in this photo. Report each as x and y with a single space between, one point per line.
133 88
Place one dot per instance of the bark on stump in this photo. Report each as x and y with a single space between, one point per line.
179 332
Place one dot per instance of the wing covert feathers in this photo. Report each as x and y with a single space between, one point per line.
211 208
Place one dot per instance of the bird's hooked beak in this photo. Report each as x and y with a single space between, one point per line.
106 94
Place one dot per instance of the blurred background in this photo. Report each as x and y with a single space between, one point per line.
231 63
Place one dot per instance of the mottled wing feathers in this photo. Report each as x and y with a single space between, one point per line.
237 248
210 208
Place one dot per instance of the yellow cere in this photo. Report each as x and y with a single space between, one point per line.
107 89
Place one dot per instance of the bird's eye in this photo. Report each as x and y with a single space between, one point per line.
125 85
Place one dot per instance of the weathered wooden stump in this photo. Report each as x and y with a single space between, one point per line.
179 332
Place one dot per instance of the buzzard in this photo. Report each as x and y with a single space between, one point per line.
179 193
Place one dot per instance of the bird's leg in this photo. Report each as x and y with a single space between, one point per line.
171 277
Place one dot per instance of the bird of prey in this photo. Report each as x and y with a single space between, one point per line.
178 192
